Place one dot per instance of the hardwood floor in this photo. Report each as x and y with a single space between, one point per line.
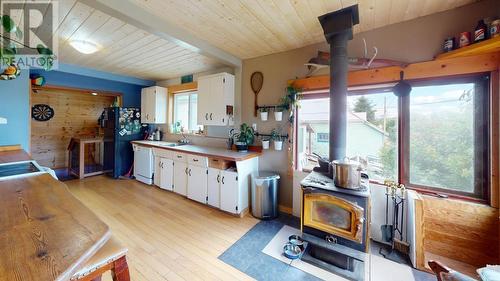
169 237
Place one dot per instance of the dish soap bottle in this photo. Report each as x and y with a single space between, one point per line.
480 31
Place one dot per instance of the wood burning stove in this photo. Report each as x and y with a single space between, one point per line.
334 221
335 224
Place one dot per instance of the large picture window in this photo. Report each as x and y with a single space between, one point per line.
435 139
447 136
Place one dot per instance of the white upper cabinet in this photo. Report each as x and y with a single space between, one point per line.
154 105
215 93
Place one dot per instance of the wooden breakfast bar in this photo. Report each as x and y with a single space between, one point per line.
48 234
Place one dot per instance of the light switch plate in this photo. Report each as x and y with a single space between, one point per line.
3 120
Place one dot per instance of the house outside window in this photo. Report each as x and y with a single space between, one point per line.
367 141
185 112
322 137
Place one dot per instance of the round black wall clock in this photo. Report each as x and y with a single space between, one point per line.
42 112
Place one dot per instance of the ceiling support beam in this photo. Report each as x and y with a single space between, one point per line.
129 12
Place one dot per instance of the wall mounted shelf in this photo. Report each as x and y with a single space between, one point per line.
267 107
491 45
269 135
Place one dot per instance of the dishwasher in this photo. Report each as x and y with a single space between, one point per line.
143 164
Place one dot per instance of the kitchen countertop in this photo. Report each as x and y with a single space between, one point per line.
45 232
214 152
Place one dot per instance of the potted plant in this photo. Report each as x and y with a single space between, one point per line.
265 144
277 139
278 113
244 138
290 100
264 112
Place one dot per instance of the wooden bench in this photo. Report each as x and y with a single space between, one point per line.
111 257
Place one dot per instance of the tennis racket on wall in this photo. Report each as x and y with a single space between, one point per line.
256 81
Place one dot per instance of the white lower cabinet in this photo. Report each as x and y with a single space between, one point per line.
229 192
157 172
197 183
180 177
167 174
213 187
190 175
164 171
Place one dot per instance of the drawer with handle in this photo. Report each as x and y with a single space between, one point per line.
164 153
220 164
197 160
181 157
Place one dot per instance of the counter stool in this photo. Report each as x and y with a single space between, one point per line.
110 257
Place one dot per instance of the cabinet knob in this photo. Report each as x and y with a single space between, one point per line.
206 116
223 180
186 171
218 178
189 172
211 116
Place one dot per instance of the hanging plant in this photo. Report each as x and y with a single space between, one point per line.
291 100
10 36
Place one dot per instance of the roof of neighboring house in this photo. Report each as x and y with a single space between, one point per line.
352 117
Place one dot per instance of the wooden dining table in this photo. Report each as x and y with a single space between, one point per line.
45 232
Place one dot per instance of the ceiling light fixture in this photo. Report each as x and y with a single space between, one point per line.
94 94
84 47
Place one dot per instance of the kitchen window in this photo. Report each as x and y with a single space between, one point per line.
434 140
185 113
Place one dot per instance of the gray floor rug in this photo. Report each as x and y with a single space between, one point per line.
246 254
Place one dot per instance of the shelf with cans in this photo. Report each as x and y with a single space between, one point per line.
484 39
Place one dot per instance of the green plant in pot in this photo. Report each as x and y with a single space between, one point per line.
290 100
277 139
244 138
264 112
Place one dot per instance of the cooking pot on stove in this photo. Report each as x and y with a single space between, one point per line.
347 173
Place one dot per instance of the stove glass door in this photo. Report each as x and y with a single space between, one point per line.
333 215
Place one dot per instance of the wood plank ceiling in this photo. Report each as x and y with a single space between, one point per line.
123 48
249 28
244 28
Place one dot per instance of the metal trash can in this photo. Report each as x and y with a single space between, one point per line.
265 195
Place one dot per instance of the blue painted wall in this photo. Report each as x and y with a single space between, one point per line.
14 105
15 96
131 92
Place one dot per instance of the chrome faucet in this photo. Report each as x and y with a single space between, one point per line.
184 139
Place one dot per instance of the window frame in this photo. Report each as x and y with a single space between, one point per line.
484 79
189 94
482 195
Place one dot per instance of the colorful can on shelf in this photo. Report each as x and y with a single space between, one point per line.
449 44
495 28
464 39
